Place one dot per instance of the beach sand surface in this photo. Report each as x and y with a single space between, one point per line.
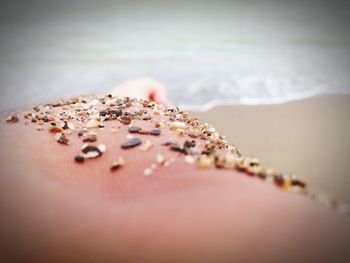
308 138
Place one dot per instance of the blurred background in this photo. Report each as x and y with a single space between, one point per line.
205 52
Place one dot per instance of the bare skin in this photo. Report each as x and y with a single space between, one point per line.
53 209
143 88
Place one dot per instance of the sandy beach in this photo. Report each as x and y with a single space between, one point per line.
308 138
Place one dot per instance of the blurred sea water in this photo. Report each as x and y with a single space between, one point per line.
206 53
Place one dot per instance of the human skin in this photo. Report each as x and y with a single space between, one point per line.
53 209
143 88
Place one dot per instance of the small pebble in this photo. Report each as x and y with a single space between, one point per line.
278 180
71 126
144 132
296 182
117 164
148 171
134 129
189 159
102 148
159 124
13 118
55 129
91 151
131 143
205 162
36 108
155 132
146 146
160 158
126 120
79 159
90 137
93 123
180 132
61 138
177 125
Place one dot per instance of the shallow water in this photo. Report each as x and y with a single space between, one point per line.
206 53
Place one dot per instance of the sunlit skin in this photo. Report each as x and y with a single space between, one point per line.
54 209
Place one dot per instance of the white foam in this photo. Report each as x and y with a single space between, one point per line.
254 101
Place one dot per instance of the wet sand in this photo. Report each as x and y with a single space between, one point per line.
308 138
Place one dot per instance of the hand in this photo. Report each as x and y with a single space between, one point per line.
143 88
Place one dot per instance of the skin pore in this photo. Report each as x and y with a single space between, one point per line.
54 209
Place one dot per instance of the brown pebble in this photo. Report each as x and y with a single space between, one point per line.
36 108
177 148
159 124
296 182
189 144
126 120
62 139
168 143
79 159
13 119
144 132
147 118
131 143
134 129
90 138
278 180
55 129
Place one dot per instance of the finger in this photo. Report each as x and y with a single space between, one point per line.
158 94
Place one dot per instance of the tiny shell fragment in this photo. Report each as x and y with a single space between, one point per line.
61 138
117 164
177 125
71 126
93 123
146 146
160 158
205 162
148 171
102 148
189 159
